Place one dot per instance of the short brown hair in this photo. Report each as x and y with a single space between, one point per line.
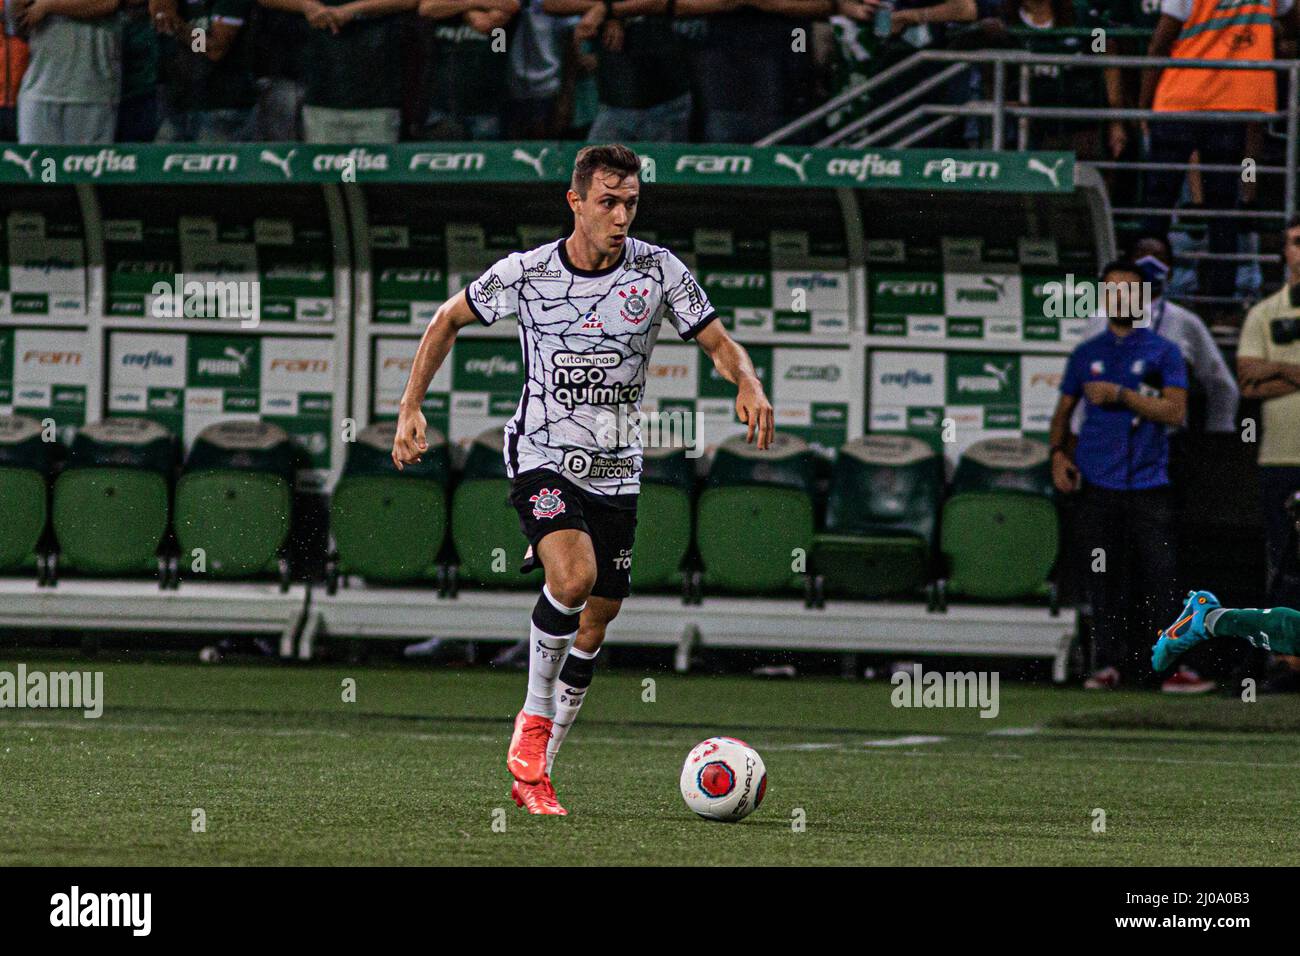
615 157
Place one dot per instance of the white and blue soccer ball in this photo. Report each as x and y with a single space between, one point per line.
723 779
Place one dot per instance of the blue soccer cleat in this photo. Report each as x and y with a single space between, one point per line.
1186 632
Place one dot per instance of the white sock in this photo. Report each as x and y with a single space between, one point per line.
575 678
553 629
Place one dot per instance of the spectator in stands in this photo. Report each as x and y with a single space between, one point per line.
1268 365
278 45
466 67
643 92
352 69
539 54
1130 23
1206 366
137 114
1134 386
1198 29
73 83
847 51
751 69
1045 26
207 69
579 101
13 63
858 54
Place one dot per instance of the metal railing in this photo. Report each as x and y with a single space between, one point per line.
906 119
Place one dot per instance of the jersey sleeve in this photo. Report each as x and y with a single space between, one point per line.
1172 366
495 294
1253 342
1072 380
687 306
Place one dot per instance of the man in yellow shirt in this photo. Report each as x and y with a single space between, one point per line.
1268 367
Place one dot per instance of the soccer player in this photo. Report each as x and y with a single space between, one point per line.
589 309
1275 629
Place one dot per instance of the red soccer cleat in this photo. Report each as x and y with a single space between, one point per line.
526 758
537 798
1187 681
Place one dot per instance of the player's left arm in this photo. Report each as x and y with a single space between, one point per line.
734 364
1167 408
1169 405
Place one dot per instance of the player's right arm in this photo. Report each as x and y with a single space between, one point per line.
1065 475
452 316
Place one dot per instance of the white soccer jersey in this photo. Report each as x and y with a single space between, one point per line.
586 338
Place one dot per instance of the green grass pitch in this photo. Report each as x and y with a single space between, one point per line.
413 773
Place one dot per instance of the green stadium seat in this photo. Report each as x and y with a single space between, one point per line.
389 525
483 520
663 523
999 533
24 489
881 514
233 501
111 501
755 515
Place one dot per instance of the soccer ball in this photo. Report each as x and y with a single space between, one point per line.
723 779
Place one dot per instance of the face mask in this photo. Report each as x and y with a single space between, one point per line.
1154 272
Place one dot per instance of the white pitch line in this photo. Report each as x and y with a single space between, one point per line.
1014 732
887 747
911 740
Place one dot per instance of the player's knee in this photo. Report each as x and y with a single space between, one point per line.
572 585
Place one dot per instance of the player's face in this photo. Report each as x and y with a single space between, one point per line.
1122 292
606 215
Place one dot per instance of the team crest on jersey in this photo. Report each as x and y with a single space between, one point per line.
547 503
635 306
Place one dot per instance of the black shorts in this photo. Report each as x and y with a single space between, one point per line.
547 501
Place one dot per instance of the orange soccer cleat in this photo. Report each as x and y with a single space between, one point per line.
538 798
526 758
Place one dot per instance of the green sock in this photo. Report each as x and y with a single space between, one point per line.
1275 629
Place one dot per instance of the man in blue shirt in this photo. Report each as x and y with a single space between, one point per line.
1133 384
